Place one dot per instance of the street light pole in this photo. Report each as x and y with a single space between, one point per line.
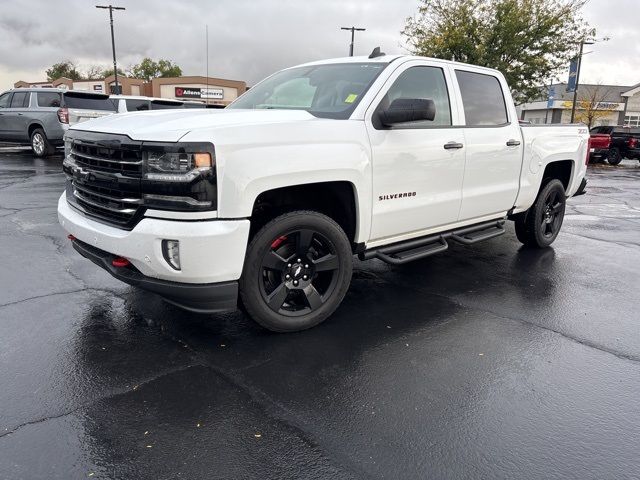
583 42
353 33
111 8
575 90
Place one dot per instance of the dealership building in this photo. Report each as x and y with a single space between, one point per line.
615 105
209 90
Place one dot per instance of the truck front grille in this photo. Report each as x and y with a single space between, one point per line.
93 157
104 177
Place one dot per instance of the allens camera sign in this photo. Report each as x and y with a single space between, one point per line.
187 92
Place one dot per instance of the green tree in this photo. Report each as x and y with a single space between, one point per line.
63 69
149 69
109 71
529 41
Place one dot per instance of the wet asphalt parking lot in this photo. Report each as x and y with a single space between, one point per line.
489 361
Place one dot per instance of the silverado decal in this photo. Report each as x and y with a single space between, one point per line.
396 195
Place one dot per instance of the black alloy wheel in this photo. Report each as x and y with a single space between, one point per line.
297 270
613 156
540 225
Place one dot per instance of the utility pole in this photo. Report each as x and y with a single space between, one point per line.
111 8
583 42
353 33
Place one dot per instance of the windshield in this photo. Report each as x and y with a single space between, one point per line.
330 90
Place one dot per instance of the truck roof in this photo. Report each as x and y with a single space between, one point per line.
390 58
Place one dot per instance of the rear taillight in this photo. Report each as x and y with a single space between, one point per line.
63 115
586 160
633 142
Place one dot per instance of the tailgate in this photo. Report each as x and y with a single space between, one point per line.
77 115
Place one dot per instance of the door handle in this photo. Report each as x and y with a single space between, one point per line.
452 145
513 143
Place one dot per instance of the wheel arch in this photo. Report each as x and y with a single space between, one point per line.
562 170
336 199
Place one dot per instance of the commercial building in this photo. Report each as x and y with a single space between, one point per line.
596 105
211 90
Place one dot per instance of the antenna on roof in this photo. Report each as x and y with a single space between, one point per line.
377 53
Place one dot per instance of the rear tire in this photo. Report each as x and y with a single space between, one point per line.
40 143
614 157
540 226
296 272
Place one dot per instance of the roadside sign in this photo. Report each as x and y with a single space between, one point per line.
573 74
551 96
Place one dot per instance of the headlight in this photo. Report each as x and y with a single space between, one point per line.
179 176
176 166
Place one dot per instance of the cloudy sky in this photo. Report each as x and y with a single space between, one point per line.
250 39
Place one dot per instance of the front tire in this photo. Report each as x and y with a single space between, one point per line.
40 144
540 226
614 157
296 272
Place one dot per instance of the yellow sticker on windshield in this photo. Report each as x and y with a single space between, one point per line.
350 98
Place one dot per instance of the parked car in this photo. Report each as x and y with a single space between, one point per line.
388 157
131 103
40 116
599 146
625 142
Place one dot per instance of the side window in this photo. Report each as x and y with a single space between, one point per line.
4 100
137 105
18 99
482 98
426 83
48 99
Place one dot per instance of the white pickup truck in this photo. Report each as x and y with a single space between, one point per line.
265 203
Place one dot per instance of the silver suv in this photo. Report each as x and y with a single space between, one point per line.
40 116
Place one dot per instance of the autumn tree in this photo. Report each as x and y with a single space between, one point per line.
529 41
592 104
66 69
149 69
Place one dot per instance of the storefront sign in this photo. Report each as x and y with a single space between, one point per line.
188 92
97 88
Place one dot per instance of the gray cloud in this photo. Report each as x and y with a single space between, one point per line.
249 39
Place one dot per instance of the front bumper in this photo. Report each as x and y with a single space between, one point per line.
211 251
200 298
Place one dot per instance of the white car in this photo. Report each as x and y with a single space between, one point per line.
389 157
134 103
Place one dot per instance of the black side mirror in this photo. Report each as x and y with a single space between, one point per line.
408 110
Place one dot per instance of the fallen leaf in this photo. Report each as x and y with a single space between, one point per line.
481 354
197 425
149 446
146 432
257 435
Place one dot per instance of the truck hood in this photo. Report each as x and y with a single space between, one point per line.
171 125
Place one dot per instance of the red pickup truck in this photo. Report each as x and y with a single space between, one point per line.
599 144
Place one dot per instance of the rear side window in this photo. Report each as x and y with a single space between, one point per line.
48 99
160 105
20 100
137 105
482 98
89 102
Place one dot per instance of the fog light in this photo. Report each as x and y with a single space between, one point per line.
171 252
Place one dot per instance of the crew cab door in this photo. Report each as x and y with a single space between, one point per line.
5 101
16 117
493 144
418 167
